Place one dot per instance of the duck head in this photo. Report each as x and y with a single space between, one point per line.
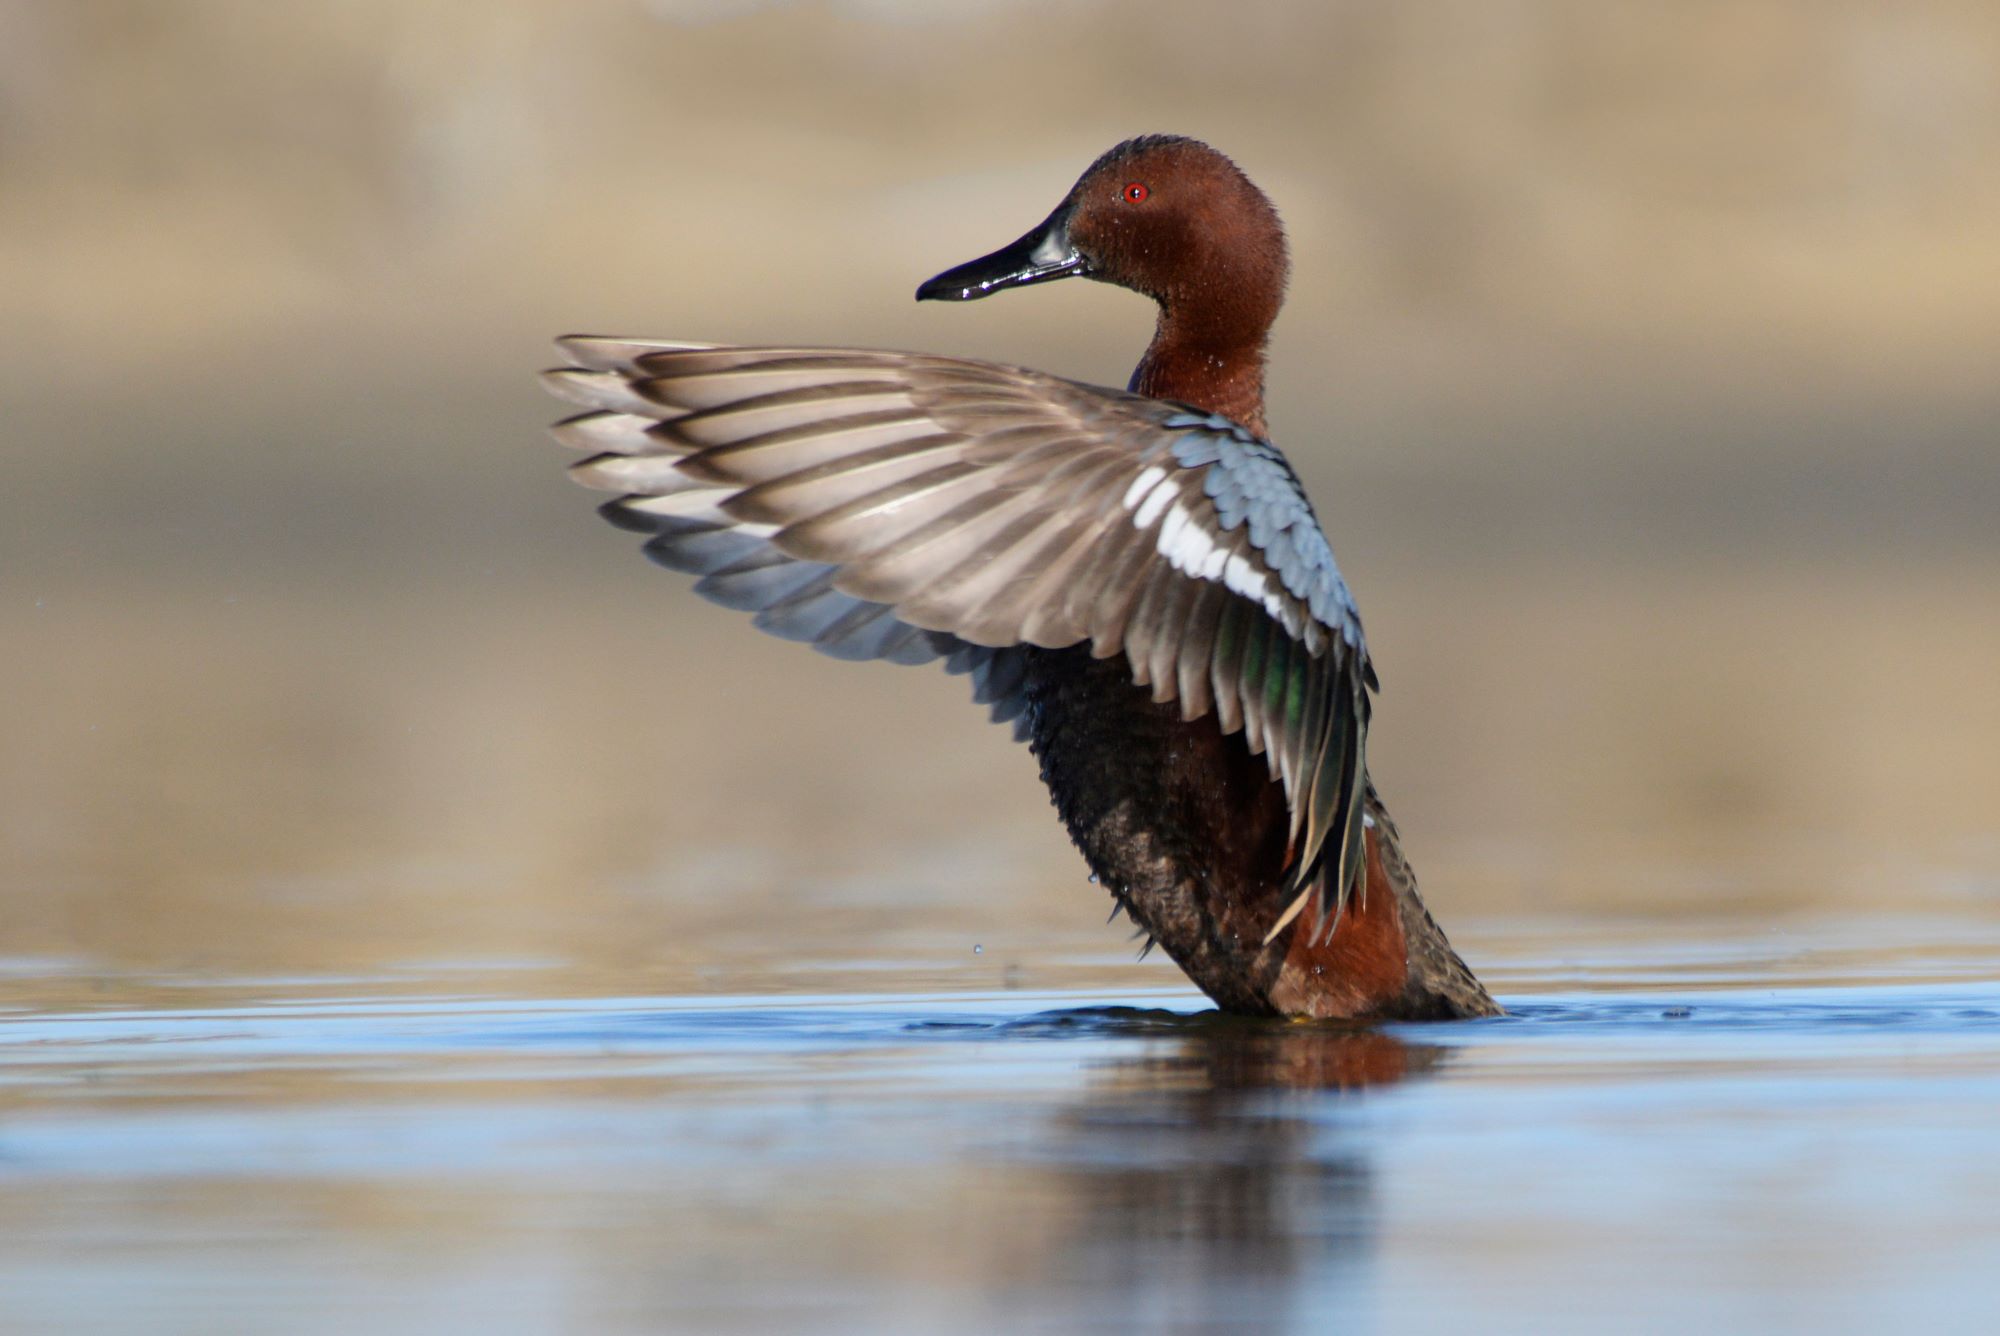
1173 219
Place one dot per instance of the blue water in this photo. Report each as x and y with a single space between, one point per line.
320 1155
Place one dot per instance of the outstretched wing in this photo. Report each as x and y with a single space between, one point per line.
909 507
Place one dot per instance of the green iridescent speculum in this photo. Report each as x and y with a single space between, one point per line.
1283 686
1227 639
1254 645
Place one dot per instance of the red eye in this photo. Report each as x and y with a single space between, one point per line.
1136 192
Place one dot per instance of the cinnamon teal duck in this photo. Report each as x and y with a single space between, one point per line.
1134 580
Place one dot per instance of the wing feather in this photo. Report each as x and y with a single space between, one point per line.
815 490
1197 645
1225 662
603 431
1169 632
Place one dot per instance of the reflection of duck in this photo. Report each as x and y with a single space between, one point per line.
1136 580
1306 1058
1206 1190
1211 1054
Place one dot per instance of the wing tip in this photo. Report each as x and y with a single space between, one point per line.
615 352
588 388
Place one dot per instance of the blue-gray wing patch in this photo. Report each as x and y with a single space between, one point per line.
1249 482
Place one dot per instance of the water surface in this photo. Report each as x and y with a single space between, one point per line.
1754 1130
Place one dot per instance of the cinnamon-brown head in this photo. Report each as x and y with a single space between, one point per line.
1173 219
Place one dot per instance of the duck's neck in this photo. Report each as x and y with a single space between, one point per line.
1208 365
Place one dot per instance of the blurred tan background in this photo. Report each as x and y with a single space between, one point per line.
1640 358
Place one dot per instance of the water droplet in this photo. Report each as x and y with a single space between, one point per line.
1093 879
978 950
